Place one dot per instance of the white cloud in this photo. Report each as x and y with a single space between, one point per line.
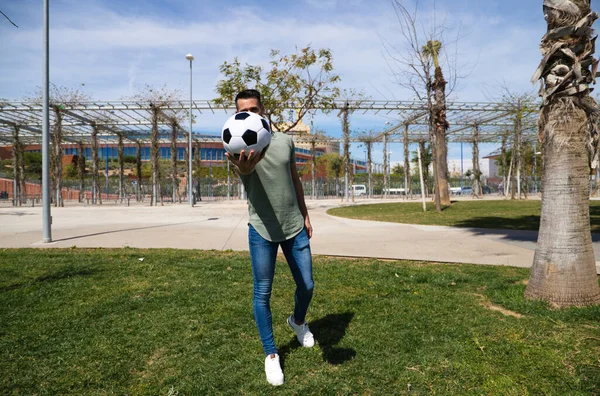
113 51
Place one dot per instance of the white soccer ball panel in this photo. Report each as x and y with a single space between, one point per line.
245 131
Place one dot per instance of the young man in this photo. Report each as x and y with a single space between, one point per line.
277 217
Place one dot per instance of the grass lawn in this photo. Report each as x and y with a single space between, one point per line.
500 214
93 322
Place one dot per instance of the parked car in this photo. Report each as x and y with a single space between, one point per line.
466 190
357 190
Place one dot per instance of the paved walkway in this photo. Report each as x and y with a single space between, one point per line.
222 225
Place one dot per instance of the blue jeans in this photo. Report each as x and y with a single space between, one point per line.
263 254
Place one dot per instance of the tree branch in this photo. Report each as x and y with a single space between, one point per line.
5 16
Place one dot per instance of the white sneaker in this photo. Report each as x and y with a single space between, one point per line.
273 370
305 337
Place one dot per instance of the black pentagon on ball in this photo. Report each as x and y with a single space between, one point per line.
242 116
226 136
265 124
250 137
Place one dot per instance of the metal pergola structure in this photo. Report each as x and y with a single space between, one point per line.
27 123
133 120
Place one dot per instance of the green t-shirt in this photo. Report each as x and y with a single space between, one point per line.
272 203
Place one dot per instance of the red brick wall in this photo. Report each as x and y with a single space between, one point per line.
35 190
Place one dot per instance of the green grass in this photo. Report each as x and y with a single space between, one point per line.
501 214
99 322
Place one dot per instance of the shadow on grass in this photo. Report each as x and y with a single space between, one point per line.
127 230
328 332
519 229
54 277
521 223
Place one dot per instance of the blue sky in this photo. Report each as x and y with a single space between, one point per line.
114 47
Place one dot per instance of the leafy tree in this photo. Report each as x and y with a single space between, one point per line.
70 171
334 164
304 80
33 163
398 170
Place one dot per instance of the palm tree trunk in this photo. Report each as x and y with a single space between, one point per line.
564 267
346 132
440 125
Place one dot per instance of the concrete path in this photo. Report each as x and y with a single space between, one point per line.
222 225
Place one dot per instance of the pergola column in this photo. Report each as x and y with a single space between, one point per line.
407 181
121 155
81 171
174 158
386 186
196 160
58 151
476 171
95 185
138 167
15 161
22 189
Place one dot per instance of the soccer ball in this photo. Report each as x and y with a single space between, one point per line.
246 131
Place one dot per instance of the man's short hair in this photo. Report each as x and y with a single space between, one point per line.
248 94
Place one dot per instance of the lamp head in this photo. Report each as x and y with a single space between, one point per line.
189 57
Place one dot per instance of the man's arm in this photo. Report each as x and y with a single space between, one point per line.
300 198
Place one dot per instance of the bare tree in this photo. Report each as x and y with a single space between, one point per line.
315 137
417 67
9 20
368 138
564 267
60 98
158 102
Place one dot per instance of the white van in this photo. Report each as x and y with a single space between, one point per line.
359 189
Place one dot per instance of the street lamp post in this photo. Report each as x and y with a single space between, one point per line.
46 214
190 178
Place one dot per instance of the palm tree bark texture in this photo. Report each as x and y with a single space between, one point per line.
439 122
564 270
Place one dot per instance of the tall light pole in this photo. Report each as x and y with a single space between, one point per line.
46 217
190 178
